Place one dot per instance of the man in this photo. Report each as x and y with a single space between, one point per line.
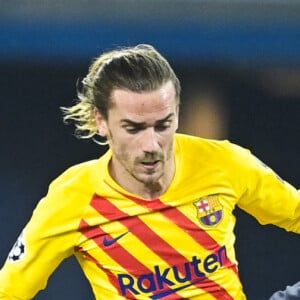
152 218
290 293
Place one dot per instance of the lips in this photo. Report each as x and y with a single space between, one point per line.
150 164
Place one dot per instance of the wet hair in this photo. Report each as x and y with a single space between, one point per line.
139 69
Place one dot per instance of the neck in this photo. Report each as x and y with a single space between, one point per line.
152 190
147 190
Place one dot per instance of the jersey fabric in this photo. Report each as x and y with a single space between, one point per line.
179 246
292 292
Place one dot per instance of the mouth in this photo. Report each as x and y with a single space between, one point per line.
150 164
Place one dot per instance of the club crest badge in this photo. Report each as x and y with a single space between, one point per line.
209 210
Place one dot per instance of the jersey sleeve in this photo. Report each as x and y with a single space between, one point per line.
46 240
290 293
263 194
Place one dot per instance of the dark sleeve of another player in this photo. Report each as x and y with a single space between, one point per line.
290 293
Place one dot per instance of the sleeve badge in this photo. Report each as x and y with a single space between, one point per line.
18 250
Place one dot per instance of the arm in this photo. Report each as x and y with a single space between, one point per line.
264 195
290 293
46 240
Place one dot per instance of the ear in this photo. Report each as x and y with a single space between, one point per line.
101 123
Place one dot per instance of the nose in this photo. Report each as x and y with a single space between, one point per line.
150 143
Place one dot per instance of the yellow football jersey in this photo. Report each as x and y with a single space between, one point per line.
179 246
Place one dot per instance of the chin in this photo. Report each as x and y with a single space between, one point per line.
150 180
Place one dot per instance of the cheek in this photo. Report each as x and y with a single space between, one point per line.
170 149
121 146
168 138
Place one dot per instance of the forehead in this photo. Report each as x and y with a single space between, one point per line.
138 105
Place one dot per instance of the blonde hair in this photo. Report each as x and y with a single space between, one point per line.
140 68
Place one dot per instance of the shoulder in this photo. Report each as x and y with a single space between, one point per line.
82 174
76 185
68 192
219 155
205 149
74 173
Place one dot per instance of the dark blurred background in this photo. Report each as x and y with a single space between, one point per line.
239 64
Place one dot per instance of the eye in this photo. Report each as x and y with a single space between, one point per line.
133 130
162 127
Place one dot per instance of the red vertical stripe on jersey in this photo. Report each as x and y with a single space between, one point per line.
154 241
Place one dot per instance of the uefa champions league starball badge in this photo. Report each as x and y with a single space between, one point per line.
18 250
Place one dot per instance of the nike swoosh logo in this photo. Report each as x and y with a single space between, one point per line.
108 242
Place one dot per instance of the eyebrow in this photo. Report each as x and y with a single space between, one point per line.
142 124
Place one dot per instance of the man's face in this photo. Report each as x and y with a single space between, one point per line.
140 130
